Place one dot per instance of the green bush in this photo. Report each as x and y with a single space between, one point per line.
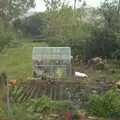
6 36
105 106
30 109
38 105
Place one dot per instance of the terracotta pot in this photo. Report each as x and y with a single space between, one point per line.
68 115
82 116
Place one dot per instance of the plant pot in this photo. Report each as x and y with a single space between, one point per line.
68 115
82 116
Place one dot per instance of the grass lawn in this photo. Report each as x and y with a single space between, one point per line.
17 62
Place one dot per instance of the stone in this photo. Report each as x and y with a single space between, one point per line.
92 118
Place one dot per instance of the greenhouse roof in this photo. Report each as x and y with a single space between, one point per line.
52 52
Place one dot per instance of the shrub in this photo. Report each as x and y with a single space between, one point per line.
105 106
38 105
36 108
6 36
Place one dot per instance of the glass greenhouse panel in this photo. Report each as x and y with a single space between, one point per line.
52 59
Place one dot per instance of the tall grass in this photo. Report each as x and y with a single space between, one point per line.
17 62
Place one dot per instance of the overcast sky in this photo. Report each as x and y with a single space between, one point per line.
41 7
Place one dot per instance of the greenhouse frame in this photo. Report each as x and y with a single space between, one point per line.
54 62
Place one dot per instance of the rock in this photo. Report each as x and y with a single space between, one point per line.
54 115
92 118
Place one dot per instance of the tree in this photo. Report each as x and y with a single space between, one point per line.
31 25
11 9
60 19
104 40
110 10
102 43
69 27
81 1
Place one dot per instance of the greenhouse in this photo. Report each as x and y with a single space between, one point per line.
52 61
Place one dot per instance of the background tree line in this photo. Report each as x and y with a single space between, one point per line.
88 31
11 10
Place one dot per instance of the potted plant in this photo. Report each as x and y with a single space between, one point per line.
81 114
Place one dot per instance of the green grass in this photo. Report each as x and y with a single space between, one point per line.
17 62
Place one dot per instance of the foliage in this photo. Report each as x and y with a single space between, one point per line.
19 112
52 5
116 54
110 10
35 108
31 25
5 38
38 105
11 9
66 29
106 106
84 29
104 38
3 78
103 42
63 25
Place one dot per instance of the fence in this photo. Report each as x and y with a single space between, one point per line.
58 90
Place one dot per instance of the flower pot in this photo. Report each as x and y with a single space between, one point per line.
68 115
82 116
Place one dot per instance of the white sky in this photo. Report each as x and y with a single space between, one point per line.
41 7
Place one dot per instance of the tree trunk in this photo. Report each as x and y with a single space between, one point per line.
75 4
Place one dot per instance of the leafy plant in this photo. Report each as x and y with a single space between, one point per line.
39 105
106 106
